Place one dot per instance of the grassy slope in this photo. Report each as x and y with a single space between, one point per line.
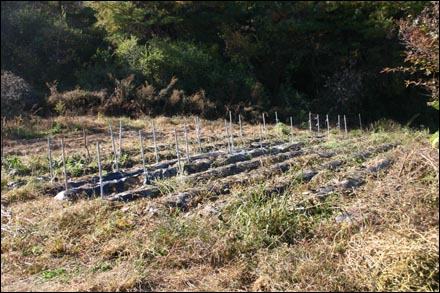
256 243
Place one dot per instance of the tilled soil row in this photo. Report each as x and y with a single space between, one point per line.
118 181
232 174
356 179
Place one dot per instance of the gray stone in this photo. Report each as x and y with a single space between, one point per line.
64 195
152 210
345 217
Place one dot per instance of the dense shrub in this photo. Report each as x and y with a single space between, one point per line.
75 102
199 68
16 94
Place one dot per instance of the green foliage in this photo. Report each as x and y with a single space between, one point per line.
282 129
102 267
75 166
56 128
51 40
39 165
51 274
167 186
210 57
421 39
198 67
434 140
14 163
262 221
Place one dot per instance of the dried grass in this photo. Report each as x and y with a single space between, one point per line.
391 245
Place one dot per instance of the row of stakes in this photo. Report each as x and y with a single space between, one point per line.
229 135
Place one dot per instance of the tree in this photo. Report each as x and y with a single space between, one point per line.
46 41
420 37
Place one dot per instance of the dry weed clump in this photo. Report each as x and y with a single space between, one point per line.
394 260
397 248
75 102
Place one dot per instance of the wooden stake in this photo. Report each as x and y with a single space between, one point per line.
186 141
360 121
310 122
50 160
276 118
64 163
155 141
142 156
317 123
261 139
229 138
177 149
114 149
230 120
231 134
100 169
345 126
328 124
198 133
264 124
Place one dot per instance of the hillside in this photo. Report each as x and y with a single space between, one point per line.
324 211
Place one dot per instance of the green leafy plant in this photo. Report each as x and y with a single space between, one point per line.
282 129
75 166
50 274
14 163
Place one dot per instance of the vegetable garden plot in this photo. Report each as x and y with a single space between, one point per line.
128 185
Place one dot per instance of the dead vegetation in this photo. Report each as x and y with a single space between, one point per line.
379 236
